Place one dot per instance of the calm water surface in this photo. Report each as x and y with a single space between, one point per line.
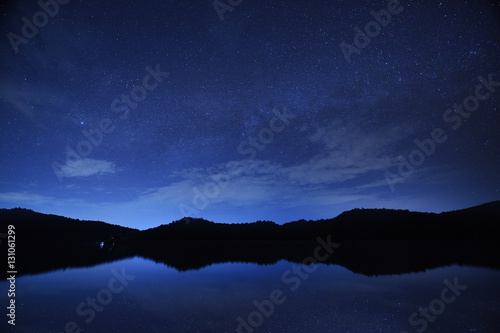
151 297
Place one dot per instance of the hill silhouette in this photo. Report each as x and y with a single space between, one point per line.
373 241
38 227
476 223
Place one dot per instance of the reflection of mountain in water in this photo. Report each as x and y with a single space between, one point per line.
365 257
372 241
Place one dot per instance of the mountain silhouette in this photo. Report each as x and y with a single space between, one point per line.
37 227
372 241
476 223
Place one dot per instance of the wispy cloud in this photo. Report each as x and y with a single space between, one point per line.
30 199
23 198
34 104
85 168
338 175
347 154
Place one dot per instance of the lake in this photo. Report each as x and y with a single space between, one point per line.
141 295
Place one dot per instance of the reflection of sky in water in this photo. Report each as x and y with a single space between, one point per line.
331 299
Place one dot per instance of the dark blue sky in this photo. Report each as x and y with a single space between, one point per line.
142 113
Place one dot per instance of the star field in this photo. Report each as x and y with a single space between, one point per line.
256 116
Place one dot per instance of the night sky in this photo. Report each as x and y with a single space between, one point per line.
140 113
